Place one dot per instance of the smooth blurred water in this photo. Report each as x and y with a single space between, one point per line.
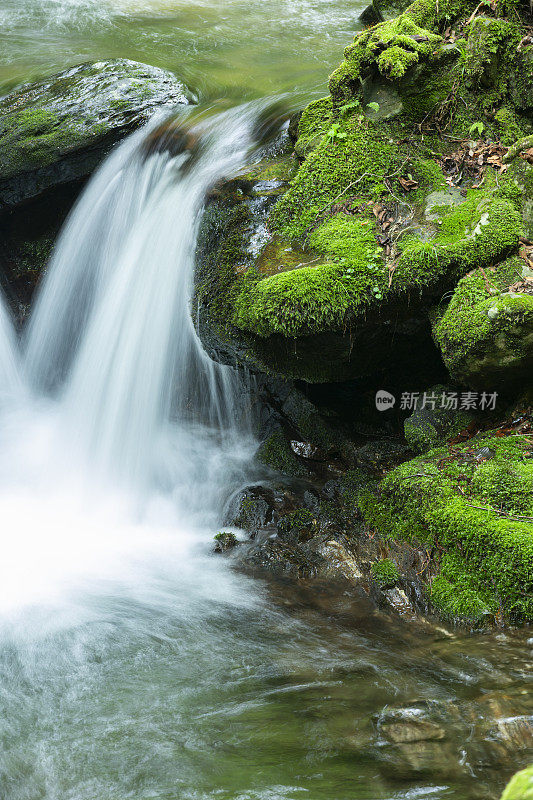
236 48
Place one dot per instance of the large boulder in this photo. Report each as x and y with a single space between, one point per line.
471 507
486 333
58 130
384 215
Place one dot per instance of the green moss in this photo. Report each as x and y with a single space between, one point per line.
520 787
361 160
299 525
313 124
507 486
225 541
458 600
487 554
477 233
276 453
394 46
317 298
31 138
509 126
385 573
487 329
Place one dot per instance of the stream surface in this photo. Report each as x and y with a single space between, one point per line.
134 664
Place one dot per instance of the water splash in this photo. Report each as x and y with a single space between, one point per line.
10 382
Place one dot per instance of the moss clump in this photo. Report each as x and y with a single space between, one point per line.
486 560
276 453
458 600
479 232
298 525
385 573
520 787
33 138
317 298
508 485
313 123
225 541
486 333
394 46
356 154
354 277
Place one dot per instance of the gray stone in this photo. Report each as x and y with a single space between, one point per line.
376 90
446 197
58 130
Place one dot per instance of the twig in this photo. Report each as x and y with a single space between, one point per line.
500 513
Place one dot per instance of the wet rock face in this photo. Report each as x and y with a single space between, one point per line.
432 422
58 130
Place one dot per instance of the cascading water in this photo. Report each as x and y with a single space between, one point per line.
133 664
129 431
10 384
112 333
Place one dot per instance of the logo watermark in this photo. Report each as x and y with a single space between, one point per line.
384 400
450 401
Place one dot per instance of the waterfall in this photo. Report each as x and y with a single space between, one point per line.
129 439
112 333
10 383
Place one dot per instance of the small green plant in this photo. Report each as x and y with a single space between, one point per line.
373 106
335 133
385 573
477 128
349 106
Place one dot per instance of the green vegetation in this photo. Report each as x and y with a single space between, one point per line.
276 453
520 787
476 519
385 573
486 333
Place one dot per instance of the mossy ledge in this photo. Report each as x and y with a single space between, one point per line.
472 509
338 283
59 129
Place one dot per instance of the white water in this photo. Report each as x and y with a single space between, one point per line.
10 384
116 465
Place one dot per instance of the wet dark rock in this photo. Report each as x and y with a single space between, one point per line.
225 541
58 130
431 422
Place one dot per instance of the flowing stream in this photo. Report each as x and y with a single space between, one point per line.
134 664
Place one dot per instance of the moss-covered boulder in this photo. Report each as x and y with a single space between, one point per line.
520 787
375 227
58 130
471 507
486 333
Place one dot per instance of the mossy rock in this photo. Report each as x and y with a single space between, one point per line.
486 333
58 130
334 296
472 509
520 787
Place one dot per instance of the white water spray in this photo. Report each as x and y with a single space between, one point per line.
130 442
10 384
